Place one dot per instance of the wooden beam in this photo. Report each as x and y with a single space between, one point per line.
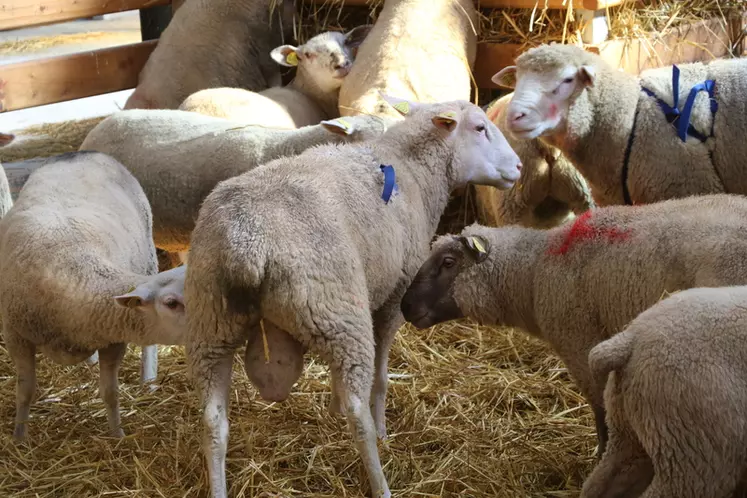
68 77
491 58
21 13
524 4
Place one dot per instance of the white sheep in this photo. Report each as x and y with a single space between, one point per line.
676 400
549 192
581 283
619 136
322 245
178 156
423 50
213 43
322 63
79 275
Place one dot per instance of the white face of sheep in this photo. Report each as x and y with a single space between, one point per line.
542 99
480 153
161 299
325 59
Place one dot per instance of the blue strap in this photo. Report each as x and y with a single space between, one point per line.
389 182
682 118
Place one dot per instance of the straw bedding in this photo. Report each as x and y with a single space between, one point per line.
473 411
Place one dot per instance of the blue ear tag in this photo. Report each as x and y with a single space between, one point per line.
390 184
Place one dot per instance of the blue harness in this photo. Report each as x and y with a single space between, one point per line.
390 184
680 119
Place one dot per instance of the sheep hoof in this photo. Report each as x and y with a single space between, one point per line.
118 433
19 433
381 432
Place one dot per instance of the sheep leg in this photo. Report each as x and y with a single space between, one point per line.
335 406
149 365
23 354
211 372
387 320
602 435
110 358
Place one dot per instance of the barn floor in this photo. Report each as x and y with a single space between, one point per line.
473 412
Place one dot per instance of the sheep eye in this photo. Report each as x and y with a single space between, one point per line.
480 128
448 262
172 304
568 80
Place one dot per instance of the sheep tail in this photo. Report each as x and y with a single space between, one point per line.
610 355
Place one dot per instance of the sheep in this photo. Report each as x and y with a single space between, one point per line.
321 64
214 43
419 49
676 401
549 192
178 156
617 135
322 247
578 284
77 238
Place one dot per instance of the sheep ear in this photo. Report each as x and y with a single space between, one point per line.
478 246
136 298
506 77
355 36
285 55
587 74
446 120
402 106
6 138
338 126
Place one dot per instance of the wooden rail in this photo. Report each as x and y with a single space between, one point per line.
68 77
524 4
23 13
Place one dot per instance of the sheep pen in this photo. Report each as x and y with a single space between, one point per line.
472 411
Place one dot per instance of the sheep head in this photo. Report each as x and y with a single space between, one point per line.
548 80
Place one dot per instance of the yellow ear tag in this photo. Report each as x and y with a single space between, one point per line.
448 115
292 59
346 126
478 246
403 107
131 289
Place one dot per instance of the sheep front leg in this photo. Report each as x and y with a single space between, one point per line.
110 358
149 365
211 372
23 354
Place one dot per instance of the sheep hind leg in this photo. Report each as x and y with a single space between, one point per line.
149 366
110 358
211 371
23 354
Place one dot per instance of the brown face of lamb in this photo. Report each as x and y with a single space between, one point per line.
326 58
548 79
430 298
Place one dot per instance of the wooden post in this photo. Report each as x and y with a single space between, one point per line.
154 20
596 29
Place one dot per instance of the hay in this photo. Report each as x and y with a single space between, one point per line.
38 43
473 411
48 139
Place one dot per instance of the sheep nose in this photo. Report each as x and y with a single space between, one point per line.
342 65
516 116
519 165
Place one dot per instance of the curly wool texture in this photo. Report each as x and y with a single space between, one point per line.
214 43
550 189
420 50
178 157
579 284
676 399
661 166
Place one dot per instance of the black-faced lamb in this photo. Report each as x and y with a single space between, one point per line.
214 43
178 156
323 245
322 64
549 192
79 275
669 133
676 399
581 283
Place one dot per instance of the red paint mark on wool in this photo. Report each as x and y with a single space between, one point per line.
492 112
553 111
582 230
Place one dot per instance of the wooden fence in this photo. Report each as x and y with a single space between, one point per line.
67 77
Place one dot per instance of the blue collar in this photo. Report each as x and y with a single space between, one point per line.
390 185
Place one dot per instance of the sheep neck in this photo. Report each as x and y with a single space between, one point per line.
599 125
326 100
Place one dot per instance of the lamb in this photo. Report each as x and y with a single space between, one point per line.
214 43
549 192
322 63
322 247
579 284
423 50
77 238
618 135
178 156
676 402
